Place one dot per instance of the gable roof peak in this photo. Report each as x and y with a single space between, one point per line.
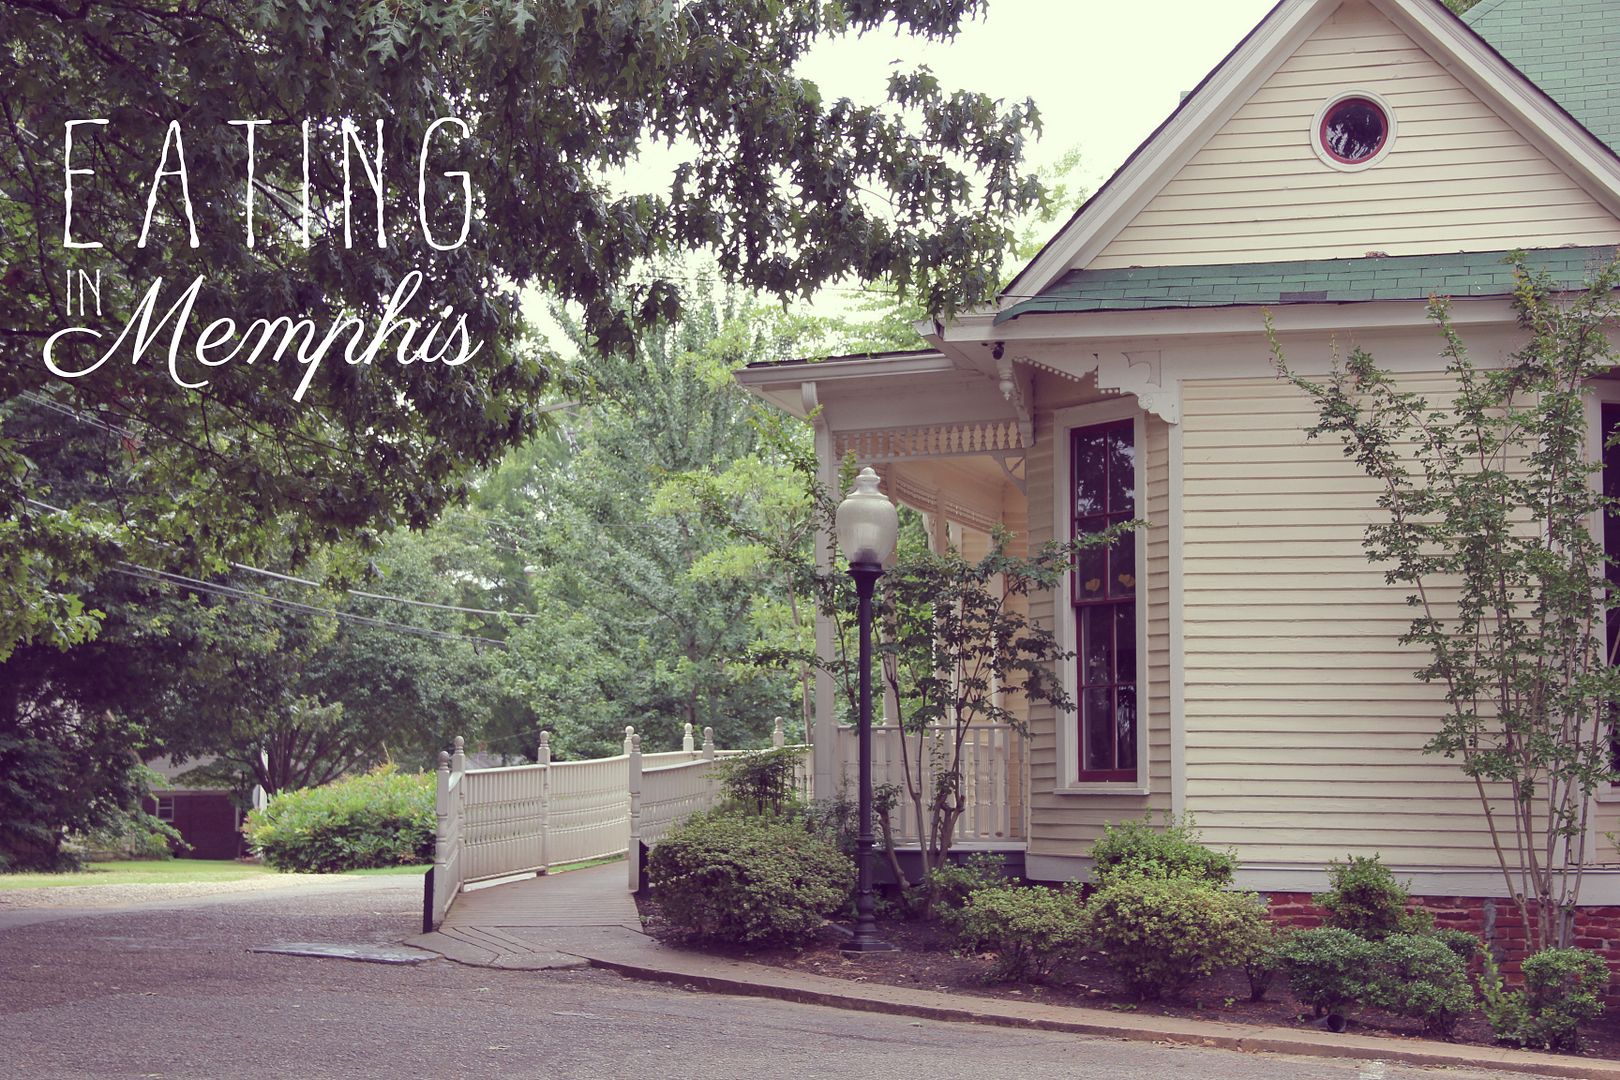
1432 28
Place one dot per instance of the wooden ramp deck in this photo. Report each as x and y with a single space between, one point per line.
530 924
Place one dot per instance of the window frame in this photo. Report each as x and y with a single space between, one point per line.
1601 392
1066 623
160 803
1319 121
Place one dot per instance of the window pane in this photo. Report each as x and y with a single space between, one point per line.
1091 570
1097 644
1122 564
1090 474
1125 724
1121 469
1099 728
1125 621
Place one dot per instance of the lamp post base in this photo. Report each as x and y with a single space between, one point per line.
867 945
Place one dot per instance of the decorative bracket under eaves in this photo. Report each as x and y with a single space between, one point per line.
1019 390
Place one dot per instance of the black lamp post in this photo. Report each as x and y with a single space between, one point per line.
867 528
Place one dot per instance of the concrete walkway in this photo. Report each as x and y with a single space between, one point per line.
587 918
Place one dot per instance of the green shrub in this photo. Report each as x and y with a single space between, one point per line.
1137 848
953 883
1364 898
383 818
1467 946
1420 976
755 880
1563 987
1506 1011
834 821
133 834
1161 933
1262 956
1327 967
761 781
1030 928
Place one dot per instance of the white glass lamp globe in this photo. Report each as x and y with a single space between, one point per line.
867 522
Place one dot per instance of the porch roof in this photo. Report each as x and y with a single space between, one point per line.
1401 277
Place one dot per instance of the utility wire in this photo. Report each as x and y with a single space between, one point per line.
384 596
130 569
231 592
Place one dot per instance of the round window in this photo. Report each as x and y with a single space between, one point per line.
1354 130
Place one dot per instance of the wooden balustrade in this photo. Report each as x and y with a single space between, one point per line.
519 819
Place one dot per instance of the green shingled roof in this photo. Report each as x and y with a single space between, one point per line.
1570 48
1401 277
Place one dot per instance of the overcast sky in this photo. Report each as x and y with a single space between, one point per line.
1104 73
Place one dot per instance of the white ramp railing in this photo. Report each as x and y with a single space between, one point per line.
520 819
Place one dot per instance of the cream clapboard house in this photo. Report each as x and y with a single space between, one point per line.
1238 659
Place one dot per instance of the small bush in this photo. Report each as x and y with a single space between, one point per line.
1159 934
1563 987
1364 898
953 883
1137 848
761 781
383 818
1420 976
134 835
1505 1010
1467 946
1262 957
753 880
1030 928
1327 967
834 821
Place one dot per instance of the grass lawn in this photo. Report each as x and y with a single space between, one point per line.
165 871
140 872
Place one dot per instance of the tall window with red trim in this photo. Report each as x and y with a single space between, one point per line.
1102 470
1610 419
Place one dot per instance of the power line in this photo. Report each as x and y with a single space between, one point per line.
383 596
319 585
72 413
164 577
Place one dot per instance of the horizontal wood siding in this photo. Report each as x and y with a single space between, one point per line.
1067 824
1305 725
1457 178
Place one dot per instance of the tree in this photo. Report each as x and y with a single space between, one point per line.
1493 498
955 652
789 189
645 620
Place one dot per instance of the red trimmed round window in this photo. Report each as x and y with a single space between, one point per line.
1354 130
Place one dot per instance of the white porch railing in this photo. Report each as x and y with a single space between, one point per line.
519 819
995 778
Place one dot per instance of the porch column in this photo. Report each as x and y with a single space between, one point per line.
824 764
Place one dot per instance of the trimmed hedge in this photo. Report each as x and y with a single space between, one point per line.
383 818
1029 928
724 877
1138 849
1160 934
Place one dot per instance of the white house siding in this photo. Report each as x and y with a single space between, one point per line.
1457 178
1063 824
1304 723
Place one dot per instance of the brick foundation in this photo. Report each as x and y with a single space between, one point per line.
1493 920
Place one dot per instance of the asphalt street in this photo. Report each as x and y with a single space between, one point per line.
163 993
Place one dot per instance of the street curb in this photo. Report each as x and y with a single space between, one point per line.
1197 1033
